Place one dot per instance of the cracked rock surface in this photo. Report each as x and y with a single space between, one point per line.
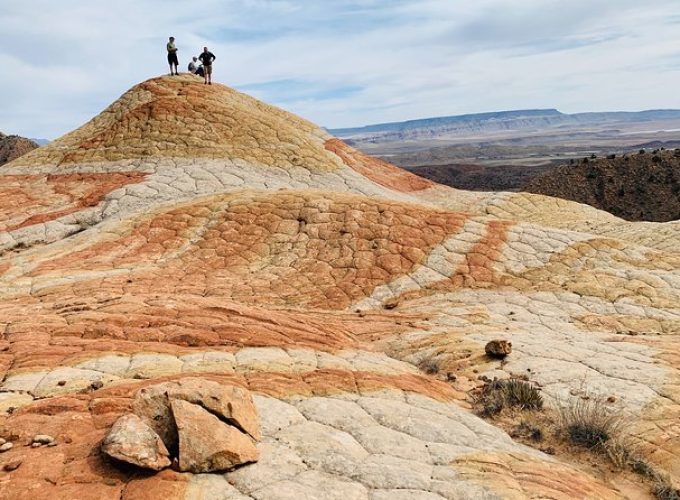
193 232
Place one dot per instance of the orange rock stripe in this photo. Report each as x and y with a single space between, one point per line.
42 193
378 171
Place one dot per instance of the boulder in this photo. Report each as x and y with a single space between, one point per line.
206 444
152 405
498 349
230 404
131 440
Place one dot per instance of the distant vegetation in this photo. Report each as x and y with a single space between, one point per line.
639 187
13 146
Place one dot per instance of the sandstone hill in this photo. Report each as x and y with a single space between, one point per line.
13 146
635 187
191 232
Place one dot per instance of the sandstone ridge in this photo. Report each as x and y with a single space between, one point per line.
194 232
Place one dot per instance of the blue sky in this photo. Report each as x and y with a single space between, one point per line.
343 62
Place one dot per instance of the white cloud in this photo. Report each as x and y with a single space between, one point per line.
361 61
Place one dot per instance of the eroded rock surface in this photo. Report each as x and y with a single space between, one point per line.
195 232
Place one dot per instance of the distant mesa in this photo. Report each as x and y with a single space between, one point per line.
494 122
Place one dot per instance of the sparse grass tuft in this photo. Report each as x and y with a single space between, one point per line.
429 366
499 394
642 467
619 453
664 490
523 395
589 423
528 431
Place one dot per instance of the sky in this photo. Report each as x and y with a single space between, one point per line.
343 63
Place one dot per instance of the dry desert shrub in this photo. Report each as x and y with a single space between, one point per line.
430 366
587 422
513 393
663 488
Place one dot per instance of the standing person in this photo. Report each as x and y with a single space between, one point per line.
207 59
172 56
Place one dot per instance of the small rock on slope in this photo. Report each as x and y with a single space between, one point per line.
498 348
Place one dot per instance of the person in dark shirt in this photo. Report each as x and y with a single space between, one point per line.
207 59
172 56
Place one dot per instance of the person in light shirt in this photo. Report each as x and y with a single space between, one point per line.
192 65
172 56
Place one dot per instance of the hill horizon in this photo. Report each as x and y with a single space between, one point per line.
647 114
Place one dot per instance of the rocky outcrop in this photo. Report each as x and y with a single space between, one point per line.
13 146
209 427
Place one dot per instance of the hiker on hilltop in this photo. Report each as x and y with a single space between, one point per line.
196 70
172 56
192 65
207 59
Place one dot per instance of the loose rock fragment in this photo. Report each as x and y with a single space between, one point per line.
97 384
498 349
42 439
131 440
203 425
13 465
6 447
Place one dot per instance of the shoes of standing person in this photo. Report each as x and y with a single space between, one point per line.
209 83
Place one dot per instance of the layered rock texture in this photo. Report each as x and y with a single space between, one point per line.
191 231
